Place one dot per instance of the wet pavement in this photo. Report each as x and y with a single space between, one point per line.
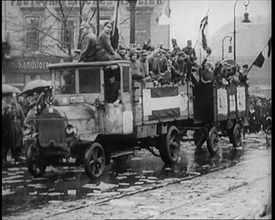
22 192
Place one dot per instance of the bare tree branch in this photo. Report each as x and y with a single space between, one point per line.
61 9
48 35
57 18
62 49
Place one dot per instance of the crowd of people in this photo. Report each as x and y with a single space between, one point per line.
150 63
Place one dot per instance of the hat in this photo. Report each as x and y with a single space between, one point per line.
132 52
144 53
84 25
121 47
181 53
245 66
108 22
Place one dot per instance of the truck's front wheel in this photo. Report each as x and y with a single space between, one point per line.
35 162
94 160
170 146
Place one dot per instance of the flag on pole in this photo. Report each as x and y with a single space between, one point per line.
263 54
164 16
203 24
115 32
259 60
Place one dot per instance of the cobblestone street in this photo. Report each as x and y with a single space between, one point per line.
237 192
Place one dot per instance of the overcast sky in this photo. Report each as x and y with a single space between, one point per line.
187 14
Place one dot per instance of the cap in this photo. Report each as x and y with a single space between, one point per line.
121 47
84 25
132 52
144 53
181 53
108 22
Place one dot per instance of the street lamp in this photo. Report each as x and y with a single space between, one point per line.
246 20
230 39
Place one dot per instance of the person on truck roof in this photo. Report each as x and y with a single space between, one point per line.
88 44
104 49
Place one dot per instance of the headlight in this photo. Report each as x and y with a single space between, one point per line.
71 130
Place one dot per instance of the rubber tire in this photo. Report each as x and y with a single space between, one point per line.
35 162
212 141
268 137
94 160
170 146
237 136
199 137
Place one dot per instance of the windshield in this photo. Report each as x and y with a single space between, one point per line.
89 80
66 81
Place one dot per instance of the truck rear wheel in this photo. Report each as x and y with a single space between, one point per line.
35 163
94 160
213 139
237 136
170 146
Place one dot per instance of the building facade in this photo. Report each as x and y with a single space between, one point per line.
42 32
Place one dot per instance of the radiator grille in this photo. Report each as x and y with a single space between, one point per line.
51 130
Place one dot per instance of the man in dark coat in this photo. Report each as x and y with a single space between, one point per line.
88 45
104 49
16 119
112 89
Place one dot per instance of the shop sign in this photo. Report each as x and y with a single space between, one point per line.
32 64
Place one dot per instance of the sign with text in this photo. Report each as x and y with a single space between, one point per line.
42 3
31 64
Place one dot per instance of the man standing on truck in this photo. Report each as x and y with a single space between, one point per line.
112 88
88 45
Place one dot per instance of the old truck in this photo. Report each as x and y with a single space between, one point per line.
81 124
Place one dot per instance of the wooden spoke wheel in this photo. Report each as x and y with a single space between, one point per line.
170 146
237 136
35 162
213 139
199 137
94 160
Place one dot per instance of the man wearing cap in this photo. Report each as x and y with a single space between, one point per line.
104 49
189 50
88 45
16 118
135 65
178 67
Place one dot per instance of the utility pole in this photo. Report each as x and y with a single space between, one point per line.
132 4
98 17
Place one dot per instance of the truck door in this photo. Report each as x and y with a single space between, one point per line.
118 116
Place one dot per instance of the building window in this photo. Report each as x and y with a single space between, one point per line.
67 34
32 37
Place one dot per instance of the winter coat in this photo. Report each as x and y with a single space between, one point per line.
88 48
104 49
